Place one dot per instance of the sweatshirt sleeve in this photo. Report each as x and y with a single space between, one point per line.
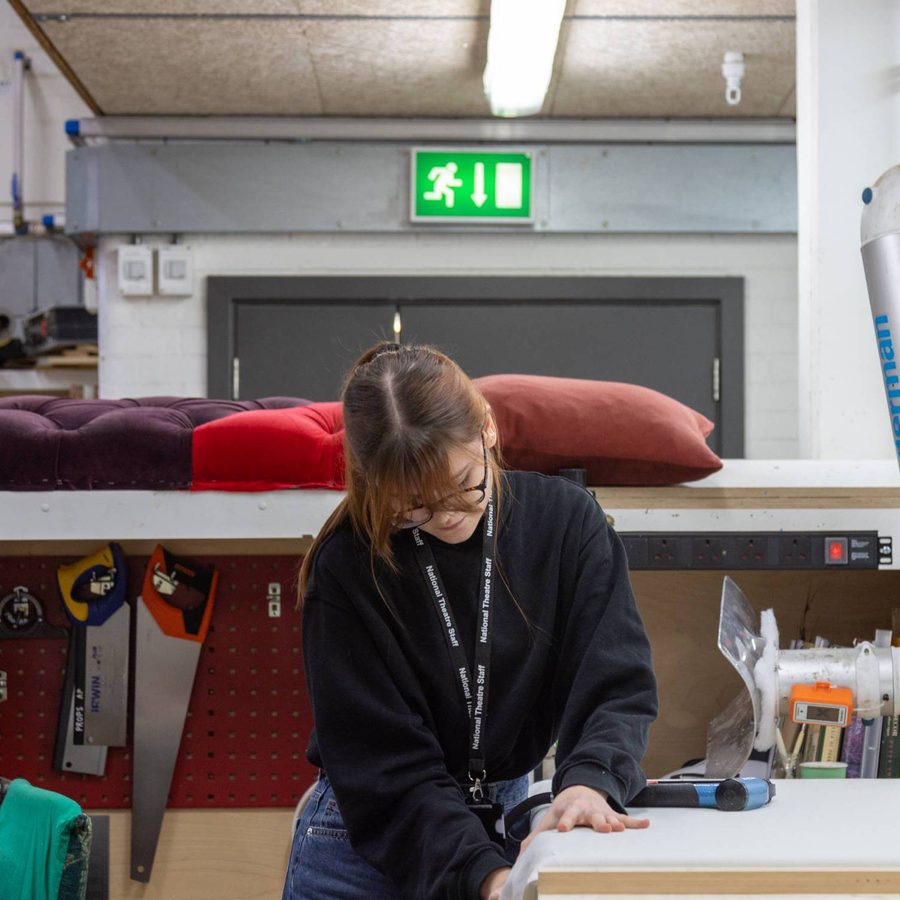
606 688
403 810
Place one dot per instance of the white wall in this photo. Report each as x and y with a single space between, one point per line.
848 133
49 101
158 346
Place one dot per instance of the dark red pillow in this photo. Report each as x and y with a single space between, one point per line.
623 434
269 450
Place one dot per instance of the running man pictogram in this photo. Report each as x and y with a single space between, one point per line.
445 182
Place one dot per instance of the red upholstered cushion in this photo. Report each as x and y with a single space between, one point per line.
269 450
621 433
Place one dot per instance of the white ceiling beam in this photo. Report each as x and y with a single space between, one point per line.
592 131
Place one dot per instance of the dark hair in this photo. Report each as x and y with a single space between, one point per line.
406 408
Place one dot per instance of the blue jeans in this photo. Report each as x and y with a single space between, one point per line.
323 865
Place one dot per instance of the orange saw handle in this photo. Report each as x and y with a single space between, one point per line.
179 594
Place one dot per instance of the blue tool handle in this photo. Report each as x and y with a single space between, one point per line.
730 795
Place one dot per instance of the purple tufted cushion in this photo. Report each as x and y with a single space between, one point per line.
130 444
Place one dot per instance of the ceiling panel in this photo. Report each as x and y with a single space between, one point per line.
661 8
673 68
439 71
159 7
335 8
398 58
191 67
449 8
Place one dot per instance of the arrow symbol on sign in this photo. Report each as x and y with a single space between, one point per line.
479 197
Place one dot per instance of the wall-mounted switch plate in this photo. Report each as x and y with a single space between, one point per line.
136 270
175 271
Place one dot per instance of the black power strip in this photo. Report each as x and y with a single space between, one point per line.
757 550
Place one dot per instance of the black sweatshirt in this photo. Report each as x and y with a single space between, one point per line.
391 723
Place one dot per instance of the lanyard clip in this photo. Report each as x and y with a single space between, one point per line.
477 791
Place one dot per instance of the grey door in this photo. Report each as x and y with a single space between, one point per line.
298 335
670 347
303 350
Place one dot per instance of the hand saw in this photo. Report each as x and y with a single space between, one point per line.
94 591
173 615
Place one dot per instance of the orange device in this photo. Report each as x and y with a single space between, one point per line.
821 704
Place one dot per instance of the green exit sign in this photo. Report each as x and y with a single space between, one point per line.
477 186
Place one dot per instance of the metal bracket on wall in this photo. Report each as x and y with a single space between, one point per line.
3 686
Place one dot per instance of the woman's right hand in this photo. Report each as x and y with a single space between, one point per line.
493 884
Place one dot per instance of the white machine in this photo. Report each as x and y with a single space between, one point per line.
864 679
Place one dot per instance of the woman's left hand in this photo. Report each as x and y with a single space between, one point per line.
581 805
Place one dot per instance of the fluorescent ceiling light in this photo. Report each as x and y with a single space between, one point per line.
521 46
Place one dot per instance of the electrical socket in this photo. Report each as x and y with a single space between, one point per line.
794 551
709 552
750 551
663 553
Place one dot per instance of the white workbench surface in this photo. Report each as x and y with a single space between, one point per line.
811 824
209 515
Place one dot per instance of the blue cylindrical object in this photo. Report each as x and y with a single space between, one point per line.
729 795
880 239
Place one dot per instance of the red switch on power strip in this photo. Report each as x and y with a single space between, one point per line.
835 551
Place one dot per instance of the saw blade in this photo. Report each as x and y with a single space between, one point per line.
106 680
163 680
67 756
94 592
172 619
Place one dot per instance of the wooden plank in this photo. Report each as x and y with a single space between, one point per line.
678 497
67 361
75 391
718 882
81 356
226 854
184 546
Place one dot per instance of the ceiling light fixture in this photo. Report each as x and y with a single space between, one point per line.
521 47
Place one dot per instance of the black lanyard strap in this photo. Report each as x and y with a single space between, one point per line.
474 688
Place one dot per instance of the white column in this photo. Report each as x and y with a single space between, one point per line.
848 133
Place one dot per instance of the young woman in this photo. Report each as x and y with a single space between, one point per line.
457 620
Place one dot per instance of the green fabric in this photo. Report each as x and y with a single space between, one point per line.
35 826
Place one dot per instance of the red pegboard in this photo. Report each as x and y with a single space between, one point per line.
248 722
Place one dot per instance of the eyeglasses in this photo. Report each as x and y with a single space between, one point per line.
414 518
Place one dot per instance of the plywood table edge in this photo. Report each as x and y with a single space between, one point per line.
196 546
748 498
696 881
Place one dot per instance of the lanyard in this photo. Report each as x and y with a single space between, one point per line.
476 700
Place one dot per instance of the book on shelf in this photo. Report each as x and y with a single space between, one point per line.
851 751
889 758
